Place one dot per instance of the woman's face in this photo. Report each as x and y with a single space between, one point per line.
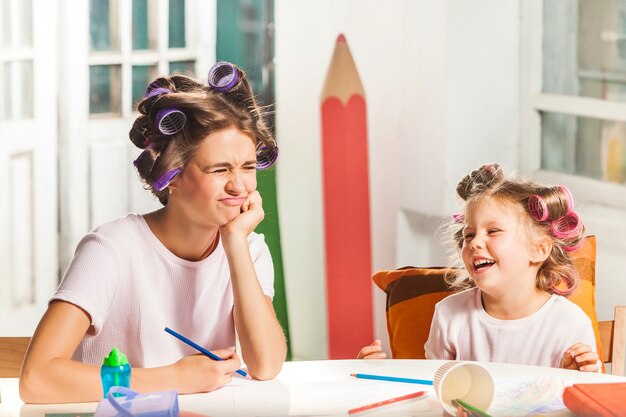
218 178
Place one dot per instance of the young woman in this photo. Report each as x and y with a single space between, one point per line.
195 265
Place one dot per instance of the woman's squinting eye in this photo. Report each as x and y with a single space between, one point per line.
468 236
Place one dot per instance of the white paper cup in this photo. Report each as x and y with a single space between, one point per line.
469 381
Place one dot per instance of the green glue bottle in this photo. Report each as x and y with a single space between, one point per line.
115 371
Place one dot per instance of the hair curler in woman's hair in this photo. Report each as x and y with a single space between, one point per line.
567 226
165 179
265 156
538 208
223 76
170 121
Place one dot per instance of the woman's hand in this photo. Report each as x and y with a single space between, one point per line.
373 351
580 357
198 373
251 215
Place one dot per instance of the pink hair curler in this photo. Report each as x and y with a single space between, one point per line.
566 226
538 208
265 156
458 217
575 247
569 197
570 284
223 76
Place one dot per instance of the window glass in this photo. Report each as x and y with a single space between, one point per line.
183 67
584 48
141 22
142 76
584 146
177 24
104 89
103 25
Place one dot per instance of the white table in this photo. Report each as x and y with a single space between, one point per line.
324 388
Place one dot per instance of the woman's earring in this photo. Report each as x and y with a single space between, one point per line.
169 190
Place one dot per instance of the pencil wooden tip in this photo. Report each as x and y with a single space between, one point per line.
352 374
341 38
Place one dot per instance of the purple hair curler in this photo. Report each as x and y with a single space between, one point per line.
170 121
223 76
458 217
265 156
567 226
165 179
538 208
157 91
569 197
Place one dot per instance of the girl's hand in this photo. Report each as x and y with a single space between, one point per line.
580 357
251 215
198 373
373 351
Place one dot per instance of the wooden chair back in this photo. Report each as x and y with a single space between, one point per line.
613 339
12 351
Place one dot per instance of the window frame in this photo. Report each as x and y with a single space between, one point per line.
161 56
534 101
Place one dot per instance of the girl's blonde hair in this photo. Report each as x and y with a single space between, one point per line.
547 211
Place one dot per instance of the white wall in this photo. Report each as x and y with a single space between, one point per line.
442 87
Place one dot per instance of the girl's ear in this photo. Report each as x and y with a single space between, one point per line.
541 249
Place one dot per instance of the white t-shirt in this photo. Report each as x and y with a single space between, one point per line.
461 329
132 287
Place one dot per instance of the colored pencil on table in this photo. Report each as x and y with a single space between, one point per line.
471 410
393 379
345 184
385 402
200 348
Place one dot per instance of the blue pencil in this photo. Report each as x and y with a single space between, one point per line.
393 379
199 348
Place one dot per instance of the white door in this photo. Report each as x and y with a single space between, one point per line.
28 152
129 43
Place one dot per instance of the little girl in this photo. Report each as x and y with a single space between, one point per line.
513 239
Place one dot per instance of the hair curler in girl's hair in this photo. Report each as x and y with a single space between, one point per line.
265 156
568 280
458 217
569 197
574 247
567 226
170 121
165 179
223 76
538 208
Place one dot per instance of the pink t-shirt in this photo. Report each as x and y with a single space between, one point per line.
461 329
132 287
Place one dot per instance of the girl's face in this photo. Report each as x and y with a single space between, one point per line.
218 178
496 248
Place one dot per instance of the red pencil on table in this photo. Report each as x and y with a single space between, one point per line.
385 402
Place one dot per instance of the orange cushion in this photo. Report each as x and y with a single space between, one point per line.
411 297
413 292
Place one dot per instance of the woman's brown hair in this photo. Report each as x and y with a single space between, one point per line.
205 110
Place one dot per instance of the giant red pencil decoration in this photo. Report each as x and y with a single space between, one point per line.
346 207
